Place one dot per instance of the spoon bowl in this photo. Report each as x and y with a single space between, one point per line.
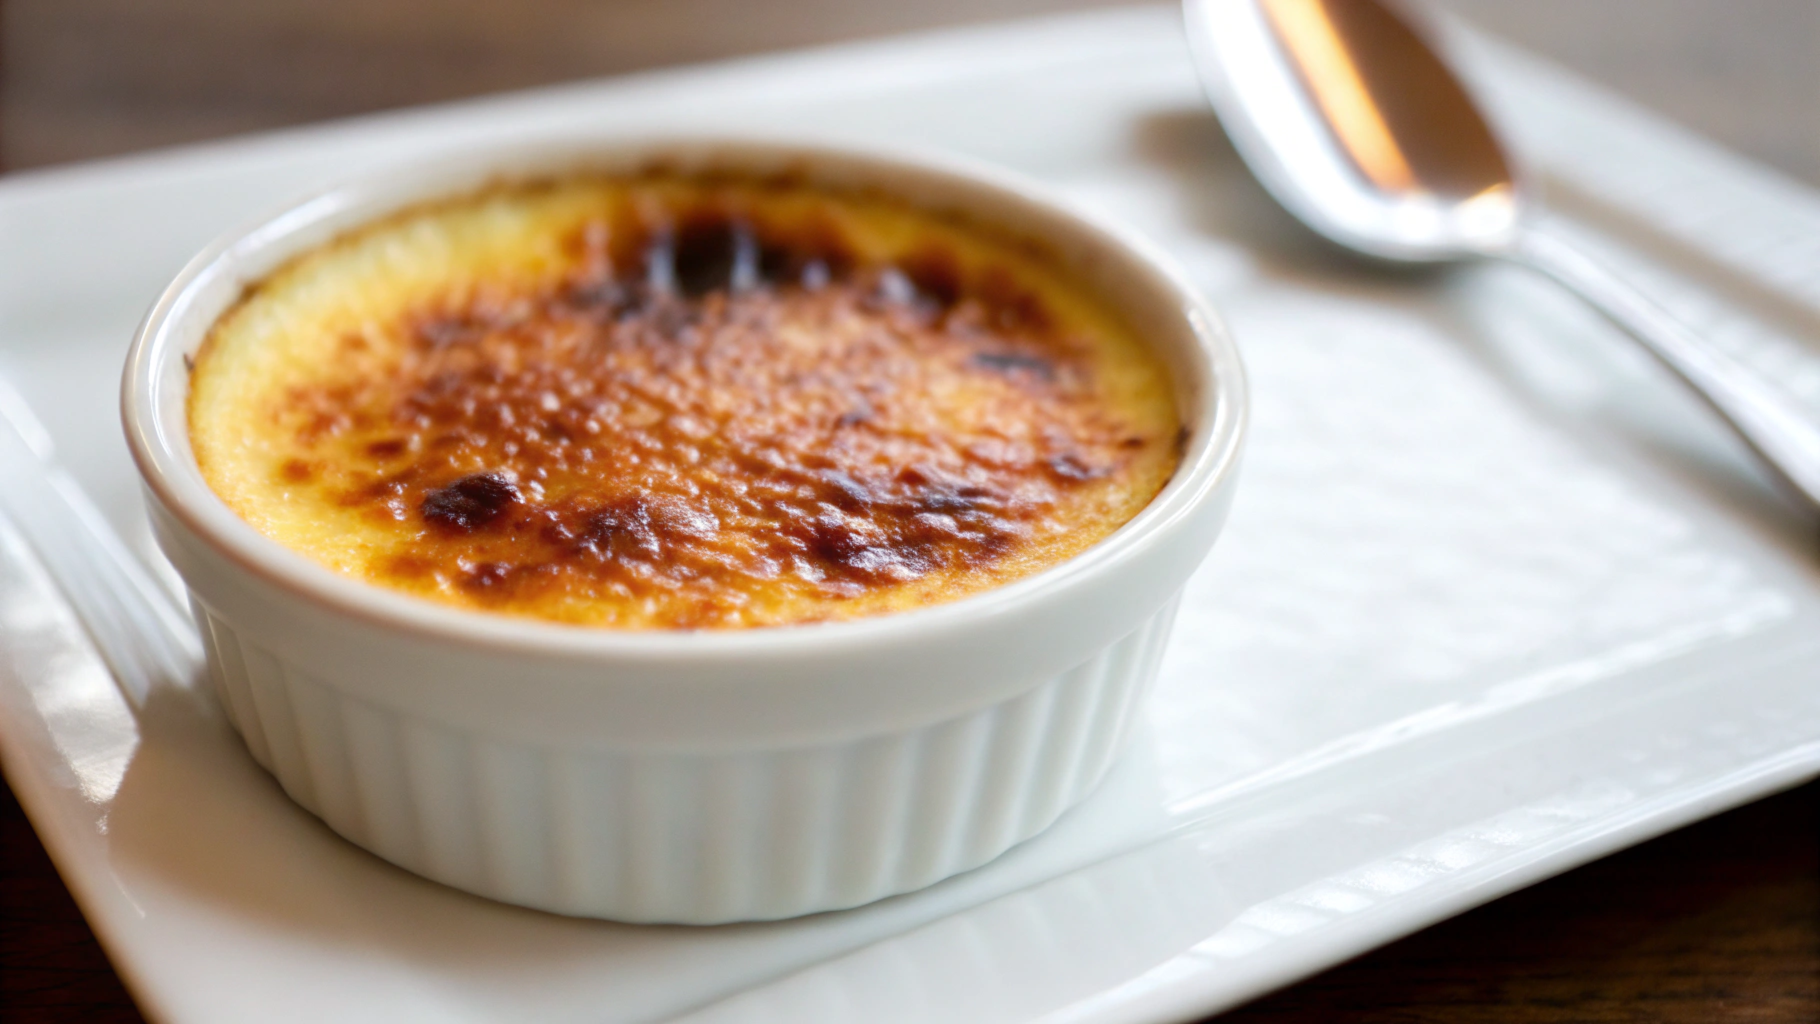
1352 122
1351 119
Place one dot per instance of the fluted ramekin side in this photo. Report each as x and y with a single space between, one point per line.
683 836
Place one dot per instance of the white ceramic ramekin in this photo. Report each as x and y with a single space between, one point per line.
689 776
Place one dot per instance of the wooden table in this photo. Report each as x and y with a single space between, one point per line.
1717 922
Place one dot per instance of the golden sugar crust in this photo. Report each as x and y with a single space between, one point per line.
665 403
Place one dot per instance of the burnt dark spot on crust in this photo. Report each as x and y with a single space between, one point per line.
777 264
389 448
715 253
1014 361
835 542
926 491
469 503
847 550
297 471
936 273
846 492
620 530
1072 468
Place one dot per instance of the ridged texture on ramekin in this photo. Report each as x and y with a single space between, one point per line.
677 836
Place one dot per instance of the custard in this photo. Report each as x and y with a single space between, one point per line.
659 402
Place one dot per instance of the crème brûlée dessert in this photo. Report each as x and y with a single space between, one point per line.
659 401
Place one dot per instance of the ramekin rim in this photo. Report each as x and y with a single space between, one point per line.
1210 461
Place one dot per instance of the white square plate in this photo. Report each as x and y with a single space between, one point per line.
1496 598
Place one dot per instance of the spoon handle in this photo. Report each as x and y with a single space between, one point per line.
1777 426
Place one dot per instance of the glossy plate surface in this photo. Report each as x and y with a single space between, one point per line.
1495 598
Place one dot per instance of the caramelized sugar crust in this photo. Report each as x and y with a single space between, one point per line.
663 403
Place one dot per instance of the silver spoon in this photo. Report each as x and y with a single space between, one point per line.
1353 123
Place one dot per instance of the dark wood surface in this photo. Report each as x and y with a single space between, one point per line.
1718 922
86 78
